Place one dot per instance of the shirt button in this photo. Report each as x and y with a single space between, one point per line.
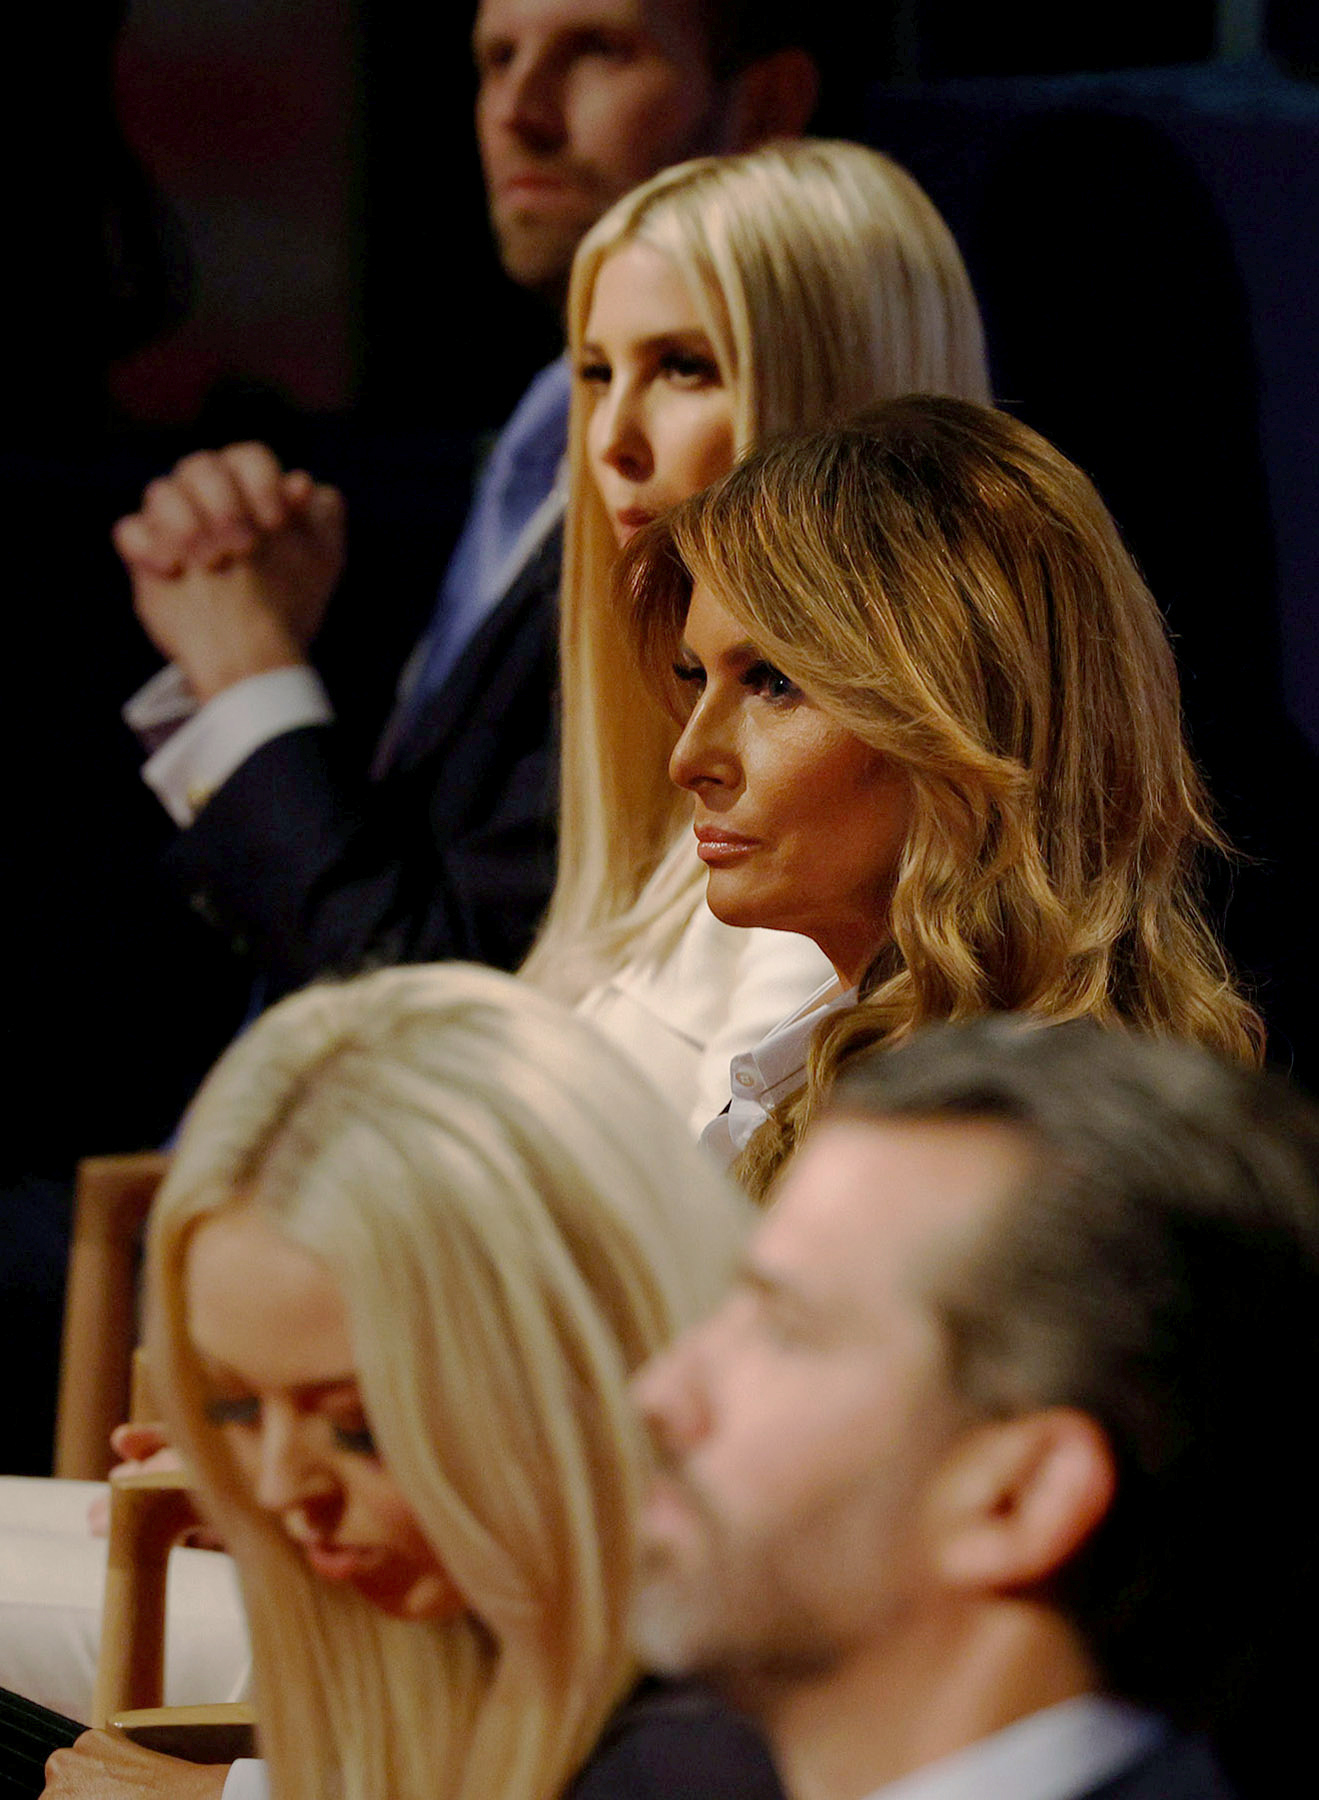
745 1079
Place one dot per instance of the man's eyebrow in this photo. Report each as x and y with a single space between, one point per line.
483 41
765 1284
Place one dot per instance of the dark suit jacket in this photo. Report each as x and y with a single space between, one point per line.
1181 1768
677 1743
314 869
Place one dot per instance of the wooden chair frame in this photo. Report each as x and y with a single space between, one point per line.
112 1198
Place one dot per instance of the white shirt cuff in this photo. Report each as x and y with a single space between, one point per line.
204 751
159 707
247 1780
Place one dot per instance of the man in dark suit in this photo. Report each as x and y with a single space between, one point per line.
986 1481
448 848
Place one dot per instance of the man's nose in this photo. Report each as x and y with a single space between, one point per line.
532 102
672 1398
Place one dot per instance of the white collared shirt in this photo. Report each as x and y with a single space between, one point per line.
772 1072
681 1016
1058 1754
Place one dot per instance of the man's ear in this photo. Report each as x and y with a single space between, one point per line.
772 97
1018 1497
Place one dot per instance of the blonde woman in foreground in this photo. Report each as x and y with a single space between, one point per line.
727 300
930 717
420 1229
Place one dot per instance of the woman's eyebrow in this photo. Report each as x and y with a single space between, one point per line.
736 656
213 1369
330 1384
324 1386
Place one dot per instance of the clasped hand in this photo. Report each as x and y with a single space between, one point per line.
233 560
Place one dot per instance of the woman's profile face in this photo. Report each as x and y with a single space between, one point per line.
270 1329
799 822
660 420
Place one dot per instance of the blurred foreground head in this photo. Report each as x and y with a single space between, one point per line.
1009 1404
467 1223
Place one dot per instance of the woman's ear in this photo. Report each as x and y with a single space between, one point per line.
772 97
1018 1497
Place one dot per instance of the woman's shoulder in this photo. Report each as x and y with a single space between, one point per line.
677 1742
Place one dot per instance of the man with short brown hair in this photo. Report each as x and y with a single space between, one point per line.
985 1481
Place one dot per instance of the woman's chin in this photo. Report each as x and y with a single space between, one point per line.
429 1596
731 904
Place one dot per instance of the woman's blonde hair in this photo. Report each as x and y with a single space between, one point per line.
825 278
954 591
516 1221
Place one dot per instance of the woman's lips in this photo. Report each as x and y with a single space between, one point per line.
337 1562
630 521
716 847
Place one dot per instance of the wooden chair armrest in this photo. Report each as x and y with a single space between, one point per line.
199 1734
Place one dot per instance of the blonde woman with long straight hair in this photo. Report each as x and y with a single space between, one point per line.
930 716
725 301
787 286
419 1230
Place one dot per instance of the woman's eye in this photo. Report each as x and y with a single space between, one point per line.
764 678
690 680
686 368
356 1438
235 1409
594 374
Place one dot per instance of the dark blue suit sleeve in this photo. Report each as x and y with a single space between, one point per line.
312 869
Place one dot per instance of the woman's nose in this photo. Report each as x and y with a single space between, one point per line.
704 756
289 1471
623 442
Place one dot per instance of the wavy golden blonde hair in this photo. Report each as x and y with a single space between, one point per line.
953 590
516 1221
825 278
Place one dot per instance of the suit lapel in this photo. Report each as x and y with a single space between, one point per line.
482 675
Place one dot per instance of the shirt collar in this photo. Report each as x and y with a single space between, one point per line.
773 1071
1058 1754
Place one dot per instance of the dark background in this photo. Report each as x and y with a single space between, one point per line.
265 219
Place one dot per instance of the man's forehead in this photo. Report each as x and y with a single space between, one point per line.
869 1204
663 20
